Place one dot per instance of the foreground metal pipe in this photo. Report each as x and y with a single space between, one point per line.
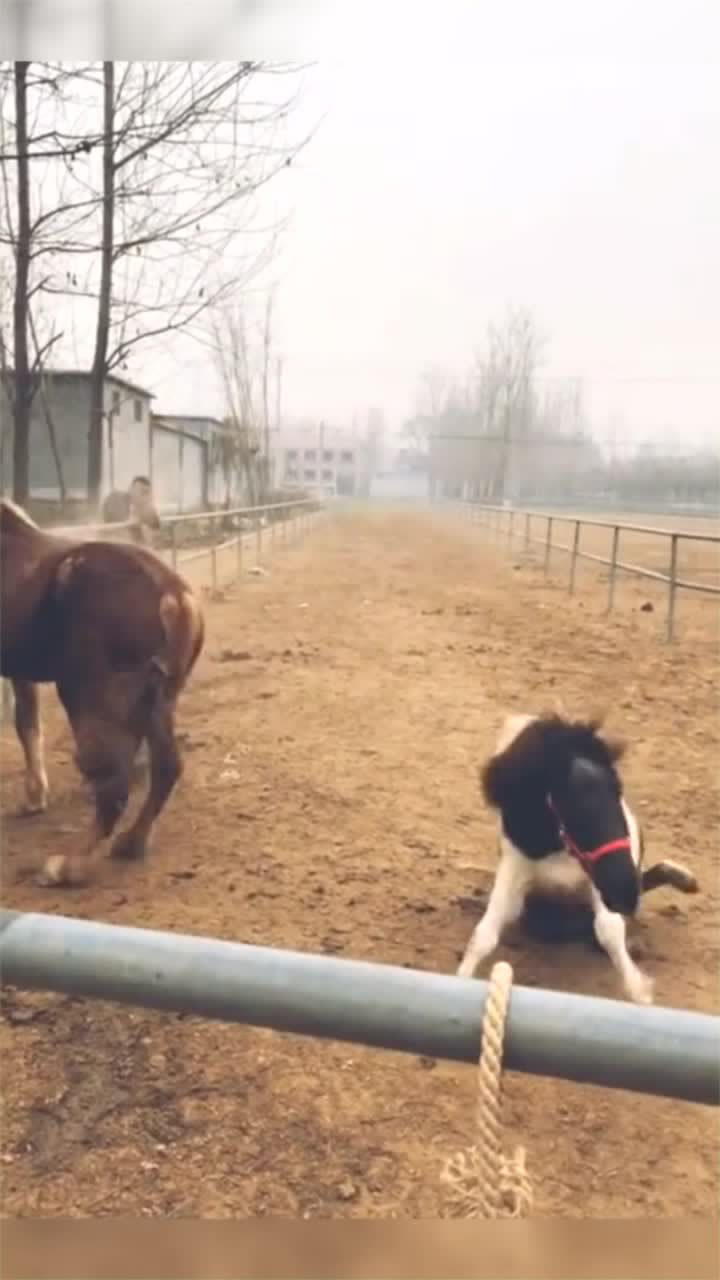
671 1052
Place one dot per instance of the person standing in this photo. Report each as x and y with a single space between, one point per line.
136 505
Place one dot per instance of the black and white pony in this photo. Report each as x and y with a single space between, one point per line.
566 829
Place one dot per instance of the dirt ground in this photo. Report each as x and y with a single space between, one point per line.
330 803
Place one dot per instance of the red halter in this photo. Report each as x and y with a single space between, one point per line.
587 858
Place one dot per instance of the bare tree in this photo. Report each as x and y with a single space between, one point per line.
266 355
506 375
23 390
30 86
153 246
102 327
181 156
431 399
239 446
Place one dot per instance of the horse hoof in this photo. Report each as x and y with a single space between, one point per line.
59 872
31 809
128 846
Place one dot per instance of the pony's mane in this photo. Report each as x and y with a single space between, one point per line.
17 513
532 750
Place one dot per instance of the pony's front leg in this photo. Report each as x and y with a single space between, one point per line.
671 874
505 905
29 732
609 929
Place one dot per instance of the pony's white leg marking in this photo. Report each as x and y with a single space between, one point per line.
36 780
609 929
507 899
30 734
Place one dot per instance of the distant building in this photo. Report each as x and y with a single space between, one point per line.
175 451
406 474
65 393
326 459
179 465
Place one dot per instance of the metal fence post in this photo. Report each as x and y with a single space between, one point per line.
548 543
213 560
672 586
511 530
613 567
574 557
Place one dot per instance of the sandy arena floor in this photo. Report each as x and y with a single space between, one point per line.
330 803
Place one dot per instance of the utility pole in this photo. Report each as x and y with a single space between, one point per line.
278 403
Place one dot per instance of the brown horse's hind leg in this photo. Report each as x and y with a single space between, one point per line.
165 770
29 731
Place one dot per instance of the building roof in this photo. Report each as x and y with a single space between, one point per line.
168 424
191 417
203 426
109 377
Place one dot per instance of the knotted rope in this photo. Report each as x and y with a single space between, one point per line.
483 1182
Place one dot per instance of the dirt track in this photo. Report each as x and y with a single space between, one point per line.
330 803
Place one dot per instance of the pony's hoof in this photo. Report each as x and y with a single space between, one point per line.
686 881
128 846
642 991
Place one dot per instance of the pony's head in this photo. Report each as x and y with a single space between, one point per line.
556 784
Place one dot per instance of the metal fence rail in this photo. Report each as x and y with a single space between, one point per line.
515 524
291 513
669 1052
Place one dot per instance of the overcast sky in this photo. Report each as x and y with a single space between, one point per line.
558 154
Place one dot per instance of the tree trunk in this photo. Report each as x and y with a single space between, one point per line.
102 331
23 389
49 419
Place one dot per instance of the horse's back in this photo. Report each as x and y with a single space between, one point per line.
88 604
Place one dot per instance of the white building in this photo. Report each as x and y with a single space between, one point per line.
320 458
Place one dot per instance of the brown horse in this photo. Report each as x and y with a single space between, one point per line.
118 633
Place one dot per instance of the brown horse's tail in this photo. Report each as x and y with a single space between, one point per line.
184 629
